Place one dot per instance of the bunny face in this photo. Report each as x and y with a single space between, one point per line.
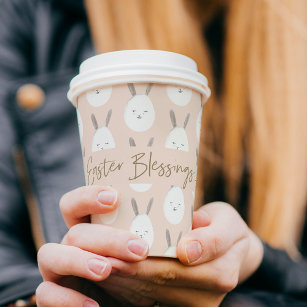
174 205
139 113
99 96
177 139
180 96
102 139
142 227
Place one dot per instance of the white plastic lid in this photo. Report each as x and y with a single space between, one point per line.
129 66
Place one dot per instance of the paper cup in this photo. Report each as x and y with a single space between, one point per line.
139 115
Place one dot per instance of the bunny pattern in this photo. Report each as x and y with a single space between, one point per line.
181 96
171 249
103 138
152 131
139 113
177 138
141 224
99 96
173 206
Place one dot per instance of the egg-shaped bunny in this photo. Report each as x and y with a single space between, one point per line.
177 137
103 138
142 227
141 224
181 96
171 250
173 206
139 113
98 97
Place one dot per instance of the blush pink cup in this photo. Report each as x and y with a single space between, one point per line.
139 116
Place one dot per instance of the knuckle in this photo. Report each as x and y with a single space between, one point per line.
83 194
165 277
43 252
87 194
41 294
227 280
73 235
213 247
63 202
225 206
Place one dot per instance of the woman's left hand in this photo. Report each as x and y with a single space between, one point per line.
214 257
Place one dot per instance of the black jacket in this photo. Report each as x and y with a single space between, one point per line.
43 42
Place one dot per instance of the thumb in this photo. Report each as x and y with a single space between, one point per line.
223 228
201 218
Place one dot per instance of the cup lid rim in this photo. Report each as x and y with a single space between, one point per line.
153 65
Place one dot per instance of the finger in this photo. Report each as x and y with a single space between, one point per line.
127 297
140 293
219 274
207 243
49 294
56 261
200 218
77 205
107 241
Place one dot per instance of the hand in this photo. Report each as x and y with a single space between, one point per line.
230 253
218 253
72 270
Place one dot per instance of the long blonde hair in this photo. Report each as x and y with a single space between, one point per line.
260 121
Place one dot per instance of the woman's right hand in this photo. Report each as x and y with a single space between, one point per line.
102 248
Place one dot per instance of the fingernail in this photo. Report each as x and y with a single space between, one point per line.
97 266
138 247
90 304
107 197
193 251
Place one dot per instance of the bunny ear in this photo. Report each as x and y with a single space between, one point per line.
149 206
148 89
94 121
131 142
83 152
186 120
134 207
201 100
151 140
179 237
108 117
173 118
168 238
132 89
77 104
